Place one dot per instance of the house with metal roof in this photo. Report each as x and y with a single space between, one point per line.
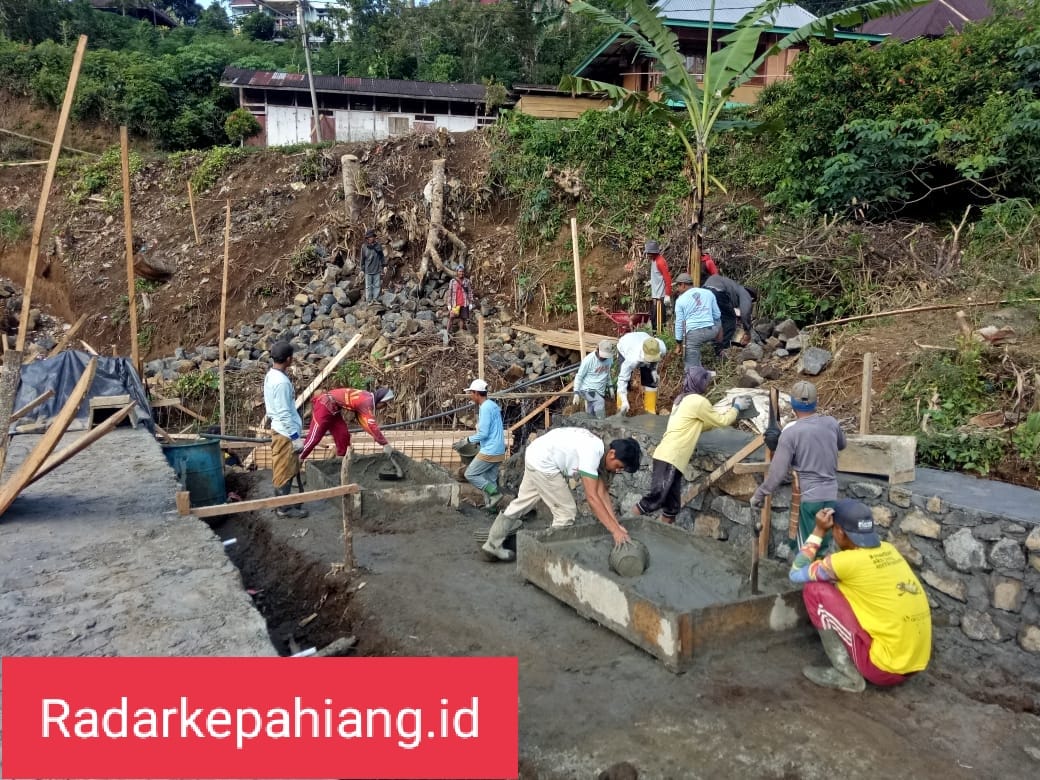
354 109
938 18
618 61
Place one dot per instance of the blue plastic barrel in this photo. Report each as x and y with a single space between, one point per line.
199 466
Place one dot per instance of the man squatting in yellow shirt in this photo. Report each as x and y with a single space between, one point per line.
870 609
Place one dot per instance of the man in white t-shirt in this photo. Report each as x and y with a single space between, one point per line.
552 459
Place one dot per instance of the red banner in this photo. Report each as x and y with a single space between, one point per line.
260 717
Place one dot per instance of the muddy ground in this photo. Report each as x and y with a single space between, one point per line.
589 699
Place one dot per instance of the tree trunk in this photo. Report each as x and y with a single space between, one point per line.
700 176
349 164
437 230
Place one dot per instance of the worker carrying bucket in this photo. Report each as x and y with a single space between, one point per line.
482 468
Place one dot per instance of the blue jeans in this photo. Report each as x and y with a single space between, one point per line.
371 286
480 473
692 342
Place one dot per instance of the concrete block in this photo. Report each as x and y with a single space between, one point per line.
885 456
690 597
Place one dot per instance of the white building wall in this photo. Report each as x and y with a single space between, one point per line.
288 125
456 124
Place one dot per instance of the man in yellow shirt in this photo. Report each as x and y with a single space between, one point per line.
869 607
692 415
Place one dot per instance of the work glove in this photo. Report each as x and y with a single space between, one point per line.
742 403
297 442
388 450
610 392
577 398
668 300
460 444
757 501
656 376
623 409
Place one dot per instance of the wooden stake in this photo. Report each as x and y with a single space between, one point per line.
348 511
223 307
41 210
23 476
191 205
540 408
68 336
10 377
327 371
128 230
83 442
722 470
46 143
865 392
577 288
480 346
43 398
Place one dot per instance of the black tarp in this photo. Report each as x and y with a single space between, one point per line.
114 376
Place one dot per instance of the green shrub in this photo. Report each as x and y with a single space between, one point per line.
214 163
104 176
240 125
12 226
350 373
975 451
1026 438
197 385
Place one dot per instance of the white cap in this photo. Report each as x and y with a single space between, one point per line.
477 386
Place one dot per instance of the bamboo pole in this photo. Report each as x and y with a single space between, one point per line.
128 230
48 181
480 346
540 408
68 336
40 399
936 307
577 288
223 305
84 441
865 391
45 143
191 205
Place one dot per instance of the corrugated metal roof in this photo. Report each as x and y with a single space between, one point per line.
932 20
238 77
730 12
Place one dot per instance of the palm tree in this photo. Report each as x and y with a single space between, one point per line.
732 65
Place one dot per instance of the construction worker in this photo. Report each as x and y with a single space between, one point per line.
460 299
810 446
482 472
552 459
693 415
697 319
730 297
372 263
327 416
660 282
869 608
593 381
286 426
643 351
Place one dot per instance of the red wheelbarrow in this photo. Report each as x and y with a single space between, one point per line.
624 322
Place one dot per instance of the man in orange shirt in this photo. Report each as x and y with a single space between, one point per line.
327 415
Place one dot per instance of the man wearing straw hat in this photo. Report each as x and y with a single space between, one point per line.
643 351
593 381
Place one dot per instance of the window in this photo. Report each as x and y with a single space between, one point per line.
399 125
695 65
485 121
424 123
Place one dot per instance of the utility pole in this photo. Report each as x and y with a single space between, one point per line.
310 75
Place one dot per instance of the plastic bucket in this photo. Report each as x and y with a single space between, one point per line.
468 452
199 466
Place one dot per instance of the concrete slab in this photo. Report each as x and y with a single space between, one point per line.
694 593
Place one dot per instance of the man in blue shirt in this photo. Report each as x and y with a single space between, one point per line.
482 471
286 426
593 381
697 319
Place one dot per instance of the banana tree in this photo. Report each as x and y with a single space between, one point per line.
733 64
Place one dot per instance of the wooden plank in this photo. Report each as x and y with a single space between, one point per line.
223 311
128 230
191 205
480 346
88 348
564 339
45 190
183 502
347 511
42 398
68 336
541 407
718 473
865 391
23 476
750 468
274 502
108 401
10 378
327 371
878 455
83 442
157 403
577 288
189 412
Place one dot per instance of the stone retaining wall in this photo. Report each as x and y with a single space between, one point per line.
981 567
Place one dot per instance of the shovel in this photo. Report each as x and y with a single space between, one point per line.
391 471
